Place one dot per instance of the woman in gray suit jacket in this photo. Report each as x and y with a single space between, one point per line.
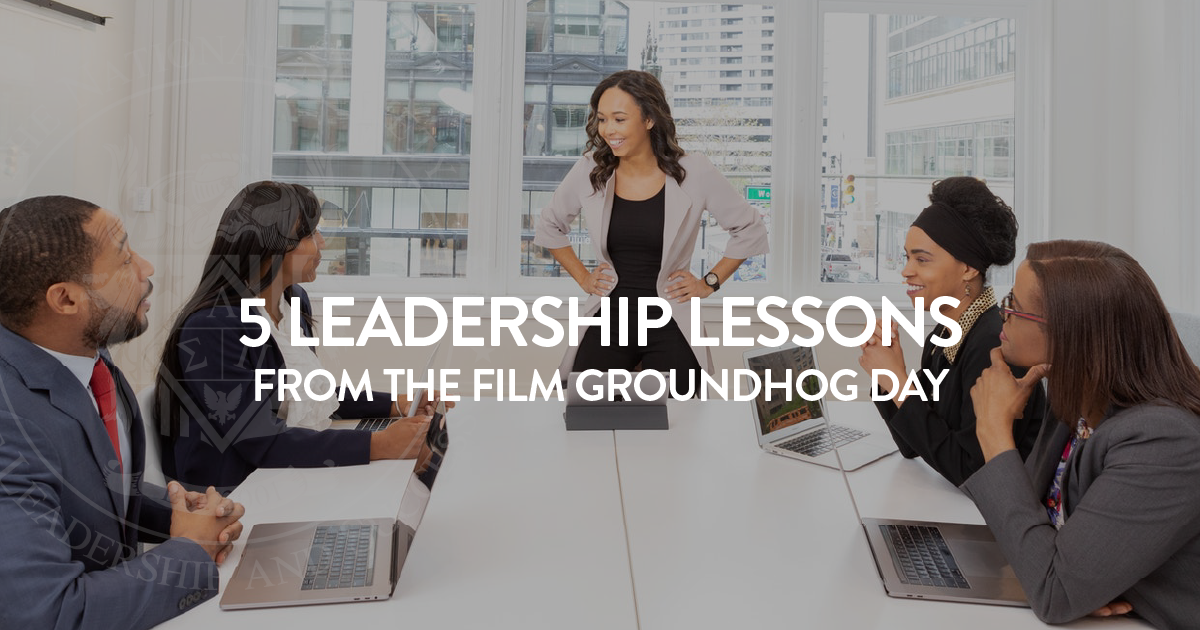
1104 516
642 199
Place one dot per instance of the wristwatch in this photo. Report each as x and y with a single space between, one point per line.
712 280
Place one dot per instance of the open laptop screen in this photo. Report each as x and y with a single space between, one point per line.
779 413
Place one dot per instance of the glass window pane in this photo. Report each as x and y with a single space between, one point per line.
382 200
300 17
391 256
535 93
931 62
396 126
408 207
573 93
407 213
337 124
397 90
339 88
312 89
342 22
418 27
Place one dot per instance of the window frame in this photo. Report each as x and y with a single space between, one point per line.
1031 116
494 262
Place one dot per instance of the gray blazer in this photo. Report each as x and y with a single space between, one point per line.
1132 531
704 188
68 543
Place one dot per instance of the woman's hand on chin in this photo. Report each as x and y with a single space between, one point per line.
999 398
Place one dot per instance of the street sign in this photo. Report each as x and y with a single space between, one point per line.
758 193
834 197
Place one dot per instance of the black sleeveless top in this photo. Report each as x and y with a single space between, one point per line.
635 243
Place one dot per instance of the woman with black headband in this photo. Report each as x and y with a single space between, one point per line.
949 248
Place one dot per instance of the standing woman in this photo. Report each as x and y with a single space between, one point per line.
965 230
1104 515
642 199
266 244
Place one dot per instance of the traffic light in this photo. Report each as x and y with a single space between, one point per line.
848 190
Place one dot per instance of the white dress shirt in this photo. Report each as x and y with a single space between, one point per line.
306 412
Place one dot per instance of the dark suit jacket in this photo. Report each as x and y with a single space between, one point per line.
225 433
1132 498
67 542
943 432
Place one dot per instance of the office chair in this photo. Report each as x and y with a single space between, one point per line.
1188 325
153 472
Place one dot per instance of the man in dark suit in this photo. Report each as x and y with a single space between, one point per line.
73 506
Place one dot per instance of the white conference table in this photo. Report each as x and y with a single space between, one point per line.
724 535
530 526
523 530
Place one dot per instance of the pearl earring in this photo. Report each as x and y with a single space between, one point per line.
968 289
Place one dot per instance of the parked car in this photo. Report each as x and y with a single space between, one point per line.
836 267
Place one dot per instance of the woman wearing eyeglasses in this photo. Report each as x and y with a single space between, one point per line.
1104 515
965 231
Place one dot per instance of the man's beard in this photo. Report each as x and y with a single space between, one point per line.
109 326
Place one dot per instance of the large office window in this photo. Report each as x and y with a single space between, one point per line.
374 109
312 86
426 107
396 204
890 131
929 53
979 149
693 59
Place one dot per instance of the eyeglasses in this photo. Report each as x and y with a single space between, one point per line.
1006 310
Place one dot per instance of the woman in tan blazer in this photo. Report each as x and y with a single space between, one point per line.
633 183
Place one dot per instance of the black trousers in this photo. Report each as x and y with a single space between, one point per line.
666 348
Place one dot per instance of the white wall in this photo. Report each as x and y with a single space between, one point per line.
185 131
64 106
1124 134
152 99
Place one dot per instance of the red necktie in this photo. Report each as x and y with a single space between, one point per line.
105 391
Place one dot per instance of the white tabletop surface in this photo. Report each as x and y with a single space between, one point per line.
530 526
523 530
724 535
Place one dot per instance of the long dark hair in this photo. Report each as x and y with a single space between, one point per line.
648 93
1112 342
265 221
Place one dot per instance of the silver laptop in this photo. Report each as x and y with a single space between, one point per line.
951 562
796 427
326 562
379 424
611 411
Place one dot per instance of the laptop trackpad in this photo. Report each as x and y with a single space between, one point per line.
981 559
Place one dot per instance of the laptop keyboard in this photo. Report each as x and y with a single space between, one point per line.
341 556
816 443
373 424
922 556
